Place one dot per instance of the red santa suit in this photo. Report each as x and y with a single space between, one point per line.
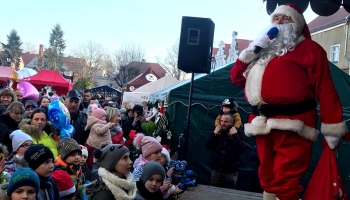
284 142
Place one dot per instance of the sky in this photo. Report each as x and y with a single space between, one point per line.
154 24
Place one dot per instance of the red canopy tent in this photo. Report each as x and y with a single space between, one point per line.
51 78
6 73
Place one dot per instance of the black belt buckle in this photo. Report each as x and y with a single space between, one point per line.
260 104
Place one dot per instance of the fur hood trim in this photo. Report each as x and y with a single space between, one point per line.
34 131
116 185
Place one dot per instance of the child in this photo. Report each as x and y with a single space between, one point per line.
24 184
20 143
64 184
83 164
151 179
40 159
150 149
230 106
69 161
99 132
115 180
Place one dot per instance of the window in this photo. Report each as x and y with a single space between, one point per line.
335 53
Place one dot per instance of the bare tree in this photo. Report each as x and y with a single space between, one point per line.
30 47
127 61
94 54
169 63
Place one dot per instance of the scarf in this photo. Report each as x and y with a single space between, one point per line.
122 189
146 194
50 186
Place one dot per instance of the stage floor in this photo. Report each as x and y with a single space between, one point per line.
204 192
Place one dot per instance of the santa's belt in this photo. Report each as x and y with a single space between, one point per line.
270 110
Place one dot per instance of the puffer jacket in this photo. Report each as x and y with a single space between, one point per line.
99 133
7 126
50 139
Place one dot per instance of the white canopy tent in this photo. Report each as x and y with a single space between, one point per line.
135 97
160 84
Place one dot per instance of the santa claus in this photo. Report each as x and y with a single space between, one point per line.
284 82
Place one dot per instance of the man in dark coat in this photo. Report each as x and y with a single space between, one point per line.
78 118
226 143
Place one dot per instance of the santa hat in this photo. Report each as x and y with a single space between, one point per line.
167 155
64 183
84 151
297 16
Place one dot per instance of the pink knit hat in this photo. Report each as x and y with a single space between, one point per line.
147 144
98 113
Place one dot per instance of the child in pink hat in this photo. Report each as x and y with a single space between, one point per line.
151 150
99 132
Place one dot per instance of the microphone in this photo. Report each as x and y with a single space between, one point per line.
272 33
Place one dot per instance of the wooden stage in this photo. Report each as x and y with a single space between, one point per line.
204 192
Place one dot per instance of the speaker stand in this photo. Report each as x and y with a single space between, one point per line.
187 131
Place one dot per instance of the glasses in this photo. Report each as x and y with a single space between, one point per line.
283 17
26 145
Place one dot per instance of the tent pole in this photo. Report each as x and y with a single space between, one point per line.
187 131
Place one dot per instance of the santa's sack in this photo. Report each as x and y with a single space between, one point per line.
326 182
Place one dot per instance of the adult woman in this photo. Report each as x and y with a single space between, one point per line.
44 101
113 116
9 122
7 96
40 129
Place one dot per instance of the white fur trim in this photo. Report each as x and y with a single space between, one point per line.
117 185
294 14
337 130
261 126
247 56
253 84
332 141
67 192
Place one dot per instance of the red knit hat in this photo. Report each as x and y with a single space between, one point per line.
297 16
64 183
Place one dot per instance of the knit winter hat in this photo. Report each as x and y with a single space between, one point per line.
167 155
297 16
84 151
109 156
18 137
148 145
64 183
98 113
151 168
67 146
30 104
228 102
36 155
23 177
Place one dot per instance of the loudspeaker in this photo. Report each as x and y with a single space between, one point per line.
196 45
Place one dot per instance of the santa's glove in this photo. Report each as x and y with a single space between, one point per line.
248 55
332 141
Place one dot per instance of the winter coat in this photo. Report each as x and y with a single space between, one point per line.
7 126
130 125
99 133
47 186
42 137
226 150
79 124
138 167
117 135
13 163
110 187
74 171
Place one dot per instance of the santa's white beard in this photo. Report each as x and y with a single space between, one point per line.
284 42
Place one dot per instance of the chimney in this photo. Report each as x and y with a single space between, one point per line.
41 55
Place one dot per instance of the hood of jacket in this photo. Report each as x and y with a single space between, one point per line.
91 121
34 131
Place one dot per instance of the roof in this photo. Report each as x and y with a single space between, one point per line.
243 44
27 57
144 66
155 86
140 80
215 51
105 88
321 22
